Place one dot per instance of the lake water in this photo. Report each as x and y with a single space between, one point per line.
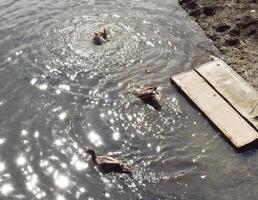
59 94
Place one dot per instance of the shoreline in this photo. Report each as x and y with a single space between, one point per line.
233 27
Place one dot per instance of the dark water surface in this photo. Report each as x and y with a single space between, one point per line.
60 93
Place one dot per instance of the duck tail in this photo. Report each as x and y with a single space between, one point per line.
126 168
157 106
154 103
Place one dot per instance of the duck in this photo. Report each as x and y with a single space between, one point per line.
100 37
108 164
150 96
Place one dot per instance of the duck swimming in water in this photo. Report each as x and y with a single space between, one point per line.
149 95
100 37
108 164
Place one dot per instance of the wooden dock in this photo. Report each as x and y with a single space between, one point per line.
227 100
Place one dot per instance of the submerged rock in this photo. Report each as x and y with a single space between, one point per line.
232 41
222 27
209 10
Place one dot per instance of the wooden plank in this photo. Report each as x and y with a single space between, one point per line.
216 108
242 96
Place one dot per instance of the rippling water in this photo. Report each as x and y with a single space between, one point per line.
60 93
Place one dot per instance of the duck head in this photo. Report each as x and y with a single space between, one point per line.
92 153
104 33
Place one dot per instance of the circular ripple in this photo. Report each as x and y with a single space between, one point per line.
137 41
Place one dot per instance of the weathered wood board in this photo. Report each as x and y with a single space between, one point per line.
232 87
230 122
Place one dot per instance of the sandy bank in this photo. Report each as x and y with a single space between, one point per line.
233 26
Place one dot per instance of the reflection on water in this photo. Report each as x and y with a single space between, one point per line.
59 94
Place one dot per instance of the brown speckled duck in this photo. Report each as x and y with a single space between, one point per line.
100 37
108 164
149 95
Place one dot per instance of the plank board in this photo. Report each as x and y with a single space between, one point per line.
216 108
231 86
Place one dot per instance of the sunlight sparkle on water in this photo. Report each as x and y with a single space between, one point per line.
50 169
6 189
21 161
203 176
107 195
158 148
36 134
64 165
33 81
116 15
60 197
95 138
65 87
40 195
2 166
44 163
62 115
61 181
82 190
24 132
116 136
149 43
43 86
129 117
145 22
32 181
2 141
58 142
79 164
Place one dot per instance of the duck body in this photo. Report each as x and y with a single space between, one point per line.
149 95
100 37
108 164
